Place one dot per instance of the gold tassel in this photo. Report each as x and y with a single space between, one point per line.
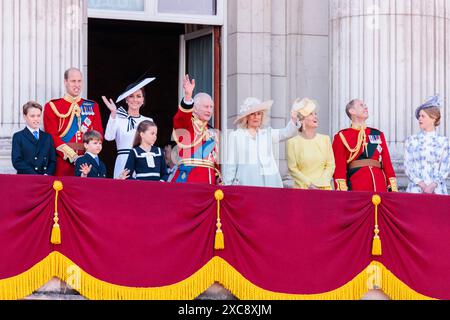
376 243
376 246
219 241
55 237
56 233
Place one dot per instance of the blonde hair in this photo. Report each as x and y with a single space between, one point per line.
434 113
243 123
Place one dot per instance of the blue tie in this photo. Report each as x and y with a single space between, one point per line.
98 161
36 135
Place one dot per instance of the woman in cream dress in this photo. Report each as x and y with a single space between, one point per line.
309 154
251 148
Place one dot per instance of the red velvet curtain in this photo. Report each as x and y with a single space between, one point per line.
151 234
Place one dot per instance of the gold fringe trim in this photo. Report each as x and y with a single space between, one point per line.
216 270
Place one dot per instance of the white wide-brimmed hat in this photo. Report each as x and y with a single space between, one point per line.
134 87
304 107
252 105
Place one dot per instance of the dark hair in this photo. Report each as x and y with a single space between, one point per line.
67 72
31 104
349 106
92 135
142 127
171 144
143 94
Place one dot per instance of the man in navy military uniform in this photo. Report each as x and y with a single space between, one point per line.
33 151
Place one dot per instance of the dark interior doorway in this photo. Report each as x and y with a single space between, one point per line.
119 52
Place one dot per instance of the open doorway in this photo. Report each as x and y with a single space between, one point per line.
120 52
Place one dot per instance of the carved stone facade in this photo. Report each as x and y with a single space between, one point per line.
39 40
392 54
278 49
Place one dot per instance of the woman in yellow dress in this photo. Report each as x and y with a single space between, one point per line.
310 155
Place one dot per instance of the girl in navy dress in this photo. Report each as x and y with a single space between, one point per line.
145 162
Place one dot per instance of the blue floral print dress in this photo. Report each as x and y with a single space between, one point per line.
427 159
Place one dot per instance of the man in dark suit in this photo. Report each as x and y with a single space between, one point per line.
33 151
90 165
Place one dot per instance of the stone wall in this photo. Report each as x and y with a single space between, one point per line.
5 156
278 49
393 55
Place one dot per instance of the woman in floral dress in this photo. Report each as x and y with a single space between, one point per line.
427 162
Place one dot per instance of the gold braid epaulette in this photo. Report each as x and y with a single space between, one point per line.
185 146
355 151
58 114
74 110
200 131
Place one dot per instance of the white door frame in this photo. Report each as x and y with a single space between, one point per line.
182 69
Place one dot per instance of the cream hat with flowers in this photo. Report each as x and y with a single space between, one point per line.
252 105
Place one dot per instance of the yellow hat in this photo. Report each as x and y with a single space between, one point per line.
304 107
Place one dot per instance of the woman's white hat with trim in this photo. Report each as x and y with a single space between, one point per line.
252 105
134 87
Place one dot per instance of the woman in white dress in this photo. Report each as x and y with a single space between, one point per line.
250 158
122 124
427 160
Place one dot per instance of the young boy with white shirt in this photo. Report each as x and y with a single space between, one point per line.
33 151
89 165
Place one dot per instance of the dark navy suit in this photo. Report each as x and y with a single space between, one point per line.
97 170
31 156
153 168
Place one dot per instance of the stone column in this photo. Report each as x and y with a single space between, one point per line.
278 49
392 54
39 40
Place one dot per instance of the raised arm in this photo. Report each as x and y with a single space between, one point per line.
188 86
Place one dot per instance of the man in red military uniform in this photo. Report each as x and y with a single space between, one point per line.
197 143
361 154
67 119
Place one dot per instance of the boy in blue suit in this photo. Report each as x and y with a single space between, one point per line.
33 151
90 165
